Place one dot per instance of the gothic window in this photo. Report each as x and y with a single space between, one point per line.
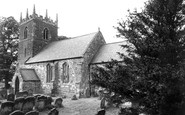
49 73
25 52
46 34
65 73
25 32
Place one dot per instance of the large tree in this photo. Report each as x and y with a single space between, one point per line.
154 63
8 48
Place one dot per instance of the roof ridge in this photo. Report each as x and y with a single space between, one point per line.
77 36
113 42
83 35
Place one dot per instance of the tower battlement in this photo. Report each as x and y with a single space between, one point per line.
45 19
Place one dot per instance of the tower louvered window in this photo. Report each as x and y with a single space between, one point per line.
25 32
46 34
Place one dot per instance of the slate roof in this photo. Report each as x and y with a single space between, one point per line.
29 75
108 52
64 49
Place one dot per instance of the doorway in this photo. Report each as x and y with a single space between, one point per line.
16 85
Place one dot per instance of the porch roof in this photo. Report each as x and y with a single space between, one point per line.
29 75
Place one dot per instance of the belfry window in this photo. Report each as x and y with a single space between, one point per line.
49 73
25 32
65 73
46 34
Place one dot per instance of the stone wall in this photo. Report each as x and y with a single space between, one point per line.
66 89
91 51
73 86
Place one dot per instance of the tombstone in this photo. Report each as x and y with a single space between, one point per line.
17 112
32 113
102 103
6 108
22 94
49 102
53 111
11 97
74 97
101 112
18 103
28 104
58 103
40 103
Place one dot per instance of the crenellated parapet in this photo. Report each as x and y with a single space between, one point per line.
34 15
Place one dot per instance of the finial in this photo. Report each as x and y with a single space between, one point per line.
98 29
46 14
56 19
21 17
27 16
34 12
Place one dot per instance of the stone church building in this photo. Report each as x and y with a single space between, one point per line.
48 64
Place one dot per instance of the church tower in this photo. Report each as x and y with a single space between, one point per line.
35 33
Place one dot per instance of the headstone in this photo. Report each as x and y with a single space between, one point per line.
28 105
101 112
53 111
58 103
18 103
40 103
6 108
22 94
49 102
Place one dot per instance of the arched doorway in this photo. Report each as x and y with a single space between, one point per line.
16 85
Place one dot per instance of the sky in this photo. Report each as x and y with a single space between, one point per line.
76 17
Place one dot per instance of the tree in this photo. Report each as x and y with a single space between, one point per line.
154 65
8 48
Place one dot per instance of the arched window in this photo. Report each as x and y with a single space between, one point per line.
46 34
65 73
25 52
49 73
25 32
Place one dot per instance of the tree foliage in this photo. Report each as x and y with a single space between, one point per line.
8 47
153 70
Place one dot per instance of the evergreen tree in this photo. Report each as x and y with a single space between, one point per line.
8 48
153 70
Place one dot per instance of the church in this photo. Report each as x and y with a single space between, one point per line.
48 63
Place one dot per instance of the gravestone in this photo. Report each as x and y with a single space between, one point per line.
58 103
6 108
53 111
18 103
101 112
28 104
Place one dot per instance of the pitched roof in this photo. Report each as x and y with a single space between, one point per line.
29 75
108 52
64 49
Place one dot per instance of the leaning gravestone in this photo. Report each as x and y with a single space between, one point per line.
58 103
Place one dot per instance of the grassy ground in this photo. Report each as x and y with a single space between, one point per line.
83 106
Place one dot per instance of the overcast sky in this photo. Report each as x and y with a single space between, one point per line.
76 17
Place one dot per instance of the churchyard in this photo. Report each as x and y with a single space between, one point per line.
25 103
